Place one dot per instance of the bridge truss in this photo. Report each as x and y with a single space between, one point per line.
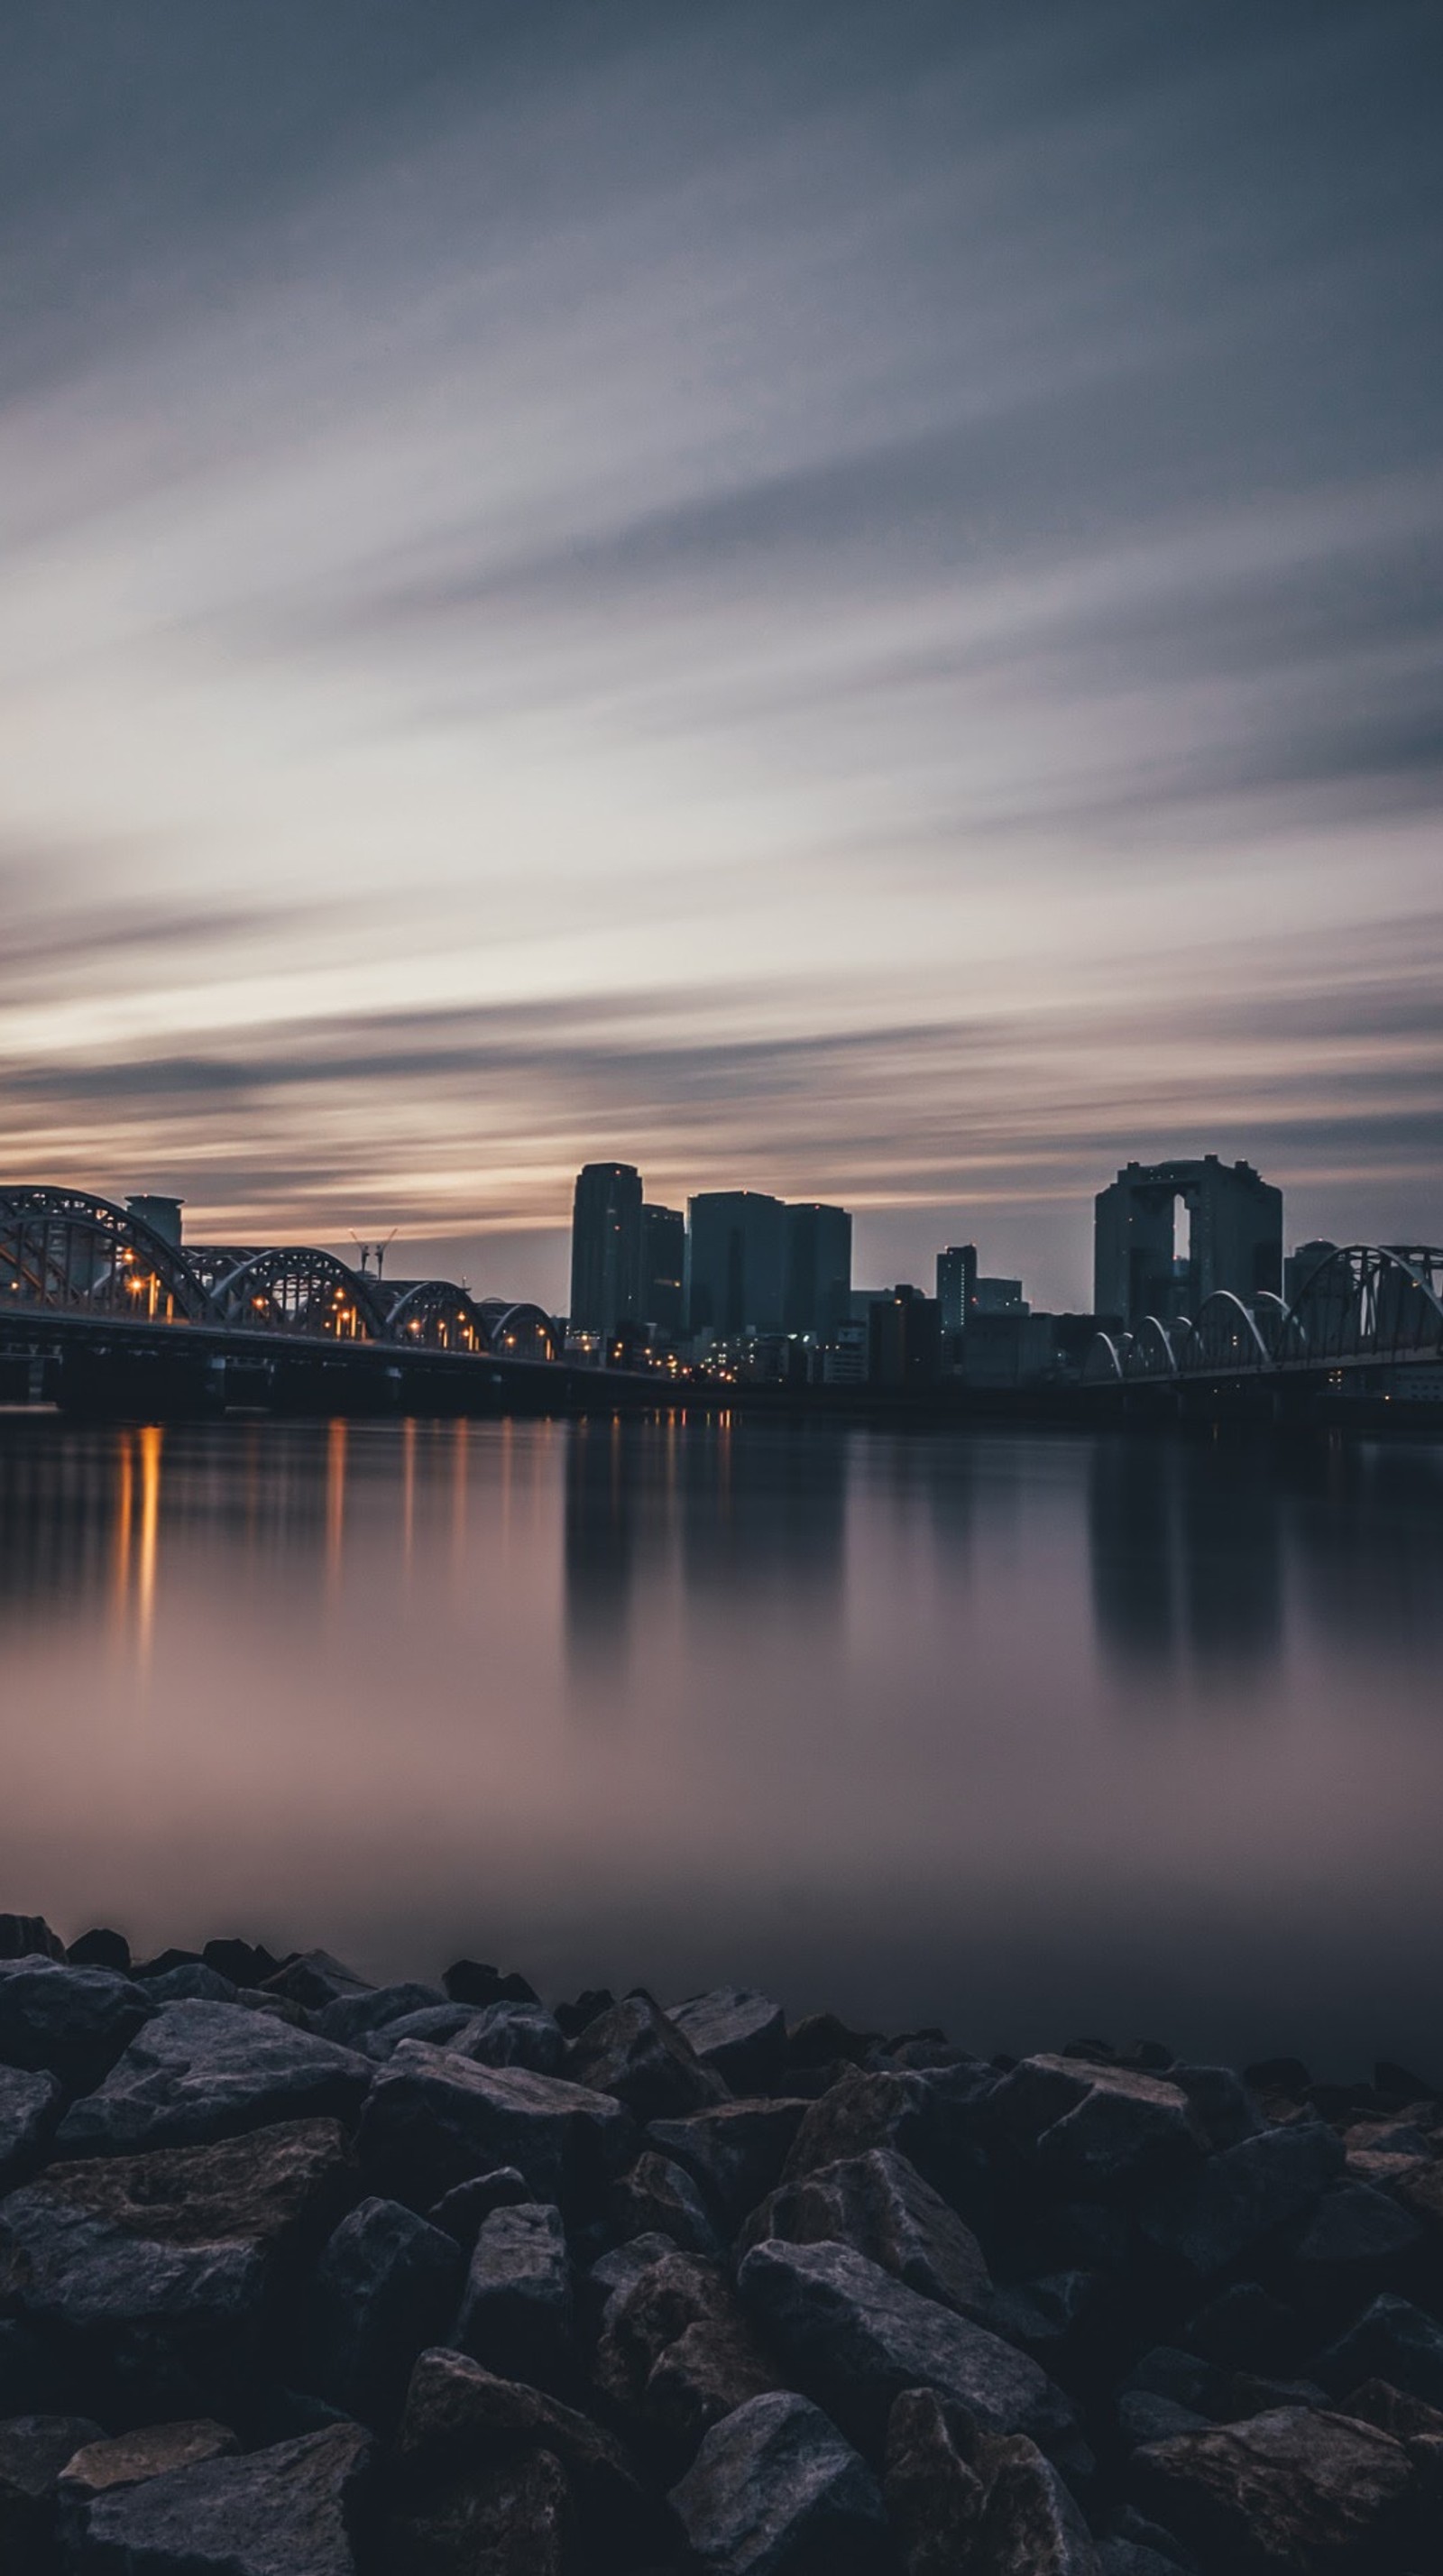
1365 1305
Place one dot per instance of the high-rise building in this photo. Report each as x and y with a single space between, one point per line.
904 1341
605 1247
956 1285
1169 1234
663 1267
817 1267
734 1263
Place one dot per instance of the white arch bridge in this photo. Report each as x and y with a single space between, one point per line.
1366 1307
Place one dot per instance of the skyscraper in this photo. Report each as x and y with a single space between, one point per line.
605 1247
956 1285
1169 1234
663 1267
734 1263
817 1267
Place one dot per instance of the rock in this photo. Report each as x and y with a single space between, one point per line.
1422 2193
1209 2218
734 2152
1049 2317
1166 2371
639 2057
69 2022
513 2518
438 2024
458 2414
353 2016
101 1949
740 2035
660 2198
149 2279
1292 2490
1144 2417
938 2120
676 2353
818 2047
1392 2340
775 2491
200 2072
1406 2418
518 2310
879 2204
33 2451
459 2213
434 2120
624 2264
1221 2101
592 2001
1354 2242
127 2460
145 1971
28 1936
934 2494
1134 2558
855 2338
471 1982
1031 2524
513 2034
30 2107
246 1963
295 2509
1097 2130
385 2287
314 1979
193 1984
1247 2326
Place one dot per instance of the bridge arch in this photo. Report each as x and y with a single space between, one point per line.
1152 1349
432 1314
1103 1363
521 1331
296 1288
69 1251
1223 1338
1370 1300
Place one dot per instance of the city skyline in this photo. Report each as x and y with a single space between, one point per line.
848 611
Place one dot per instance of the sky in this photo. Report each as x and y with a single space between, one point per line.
828 598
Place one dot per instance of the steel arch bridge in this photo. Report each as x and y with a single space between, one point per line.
69 1252
1364 1306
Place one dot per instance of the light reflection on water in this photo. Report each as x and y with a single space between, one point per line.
1020 1733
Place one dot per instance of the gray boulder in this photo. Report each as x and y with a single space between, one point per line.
1288 2491
69 2022
352 2017
1355 2242
127 2460
775 2491
195 1983
1222 2101
149 2280
200 2072
734 2153
962 2497
458 2415
30 2107
513 2034
658 2197
1031 2523
434 2120
1207 2219
879 2204
1392 2340
439 2024
637 2055
386 2285
296 2509
676 2353
854 2338
741 2035
510 2517
459 2213
1091 2129
33 2451
518 2309
28 1936
314 1980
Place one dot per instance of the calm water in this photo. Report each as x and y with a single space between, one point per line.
1026 1735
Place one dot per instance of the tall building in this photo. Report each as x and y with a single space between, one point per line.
816 1267
663 1267
734 1263
1169 1234
605 1247
904 1339
956 1285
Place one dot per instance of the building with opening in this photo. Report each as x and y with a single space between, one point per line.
1168 1235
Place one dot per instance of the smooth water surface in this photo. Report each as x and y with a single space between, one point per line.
1029 1735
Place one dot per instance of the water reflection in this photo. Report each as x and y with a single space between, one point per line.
1187 1542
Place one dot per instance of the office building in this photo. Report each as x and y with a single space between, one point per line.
956 1285
1300 1266
162 1215
605 1248
663 1267
1168 1235
999 1297
904 1346
734 1256
816 1267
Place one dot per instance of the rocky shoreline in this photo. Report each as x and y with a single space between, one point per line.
305 2277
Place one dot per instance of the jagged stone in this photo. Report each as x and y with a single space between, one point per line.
513 2034
1355 2242
69 2022
1097 2129
199 2072
855 2338
30 2108
518 2309
127 2460
28 1936
879 2204
734 2152
193 1984
1221 2101
1245 2325
433 2120
1048 2317
459 2213
437 2024
470 1981
1229 2205
934 2494
658 2197
1392 2340
1293 2490
775 2491
353 2016
639 2057
313 1979
33 2451
1031 2523
101 1948
149 2280
386 2285
458 2413
676 2354
741 2035
504 2518
294 2509
246 1963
